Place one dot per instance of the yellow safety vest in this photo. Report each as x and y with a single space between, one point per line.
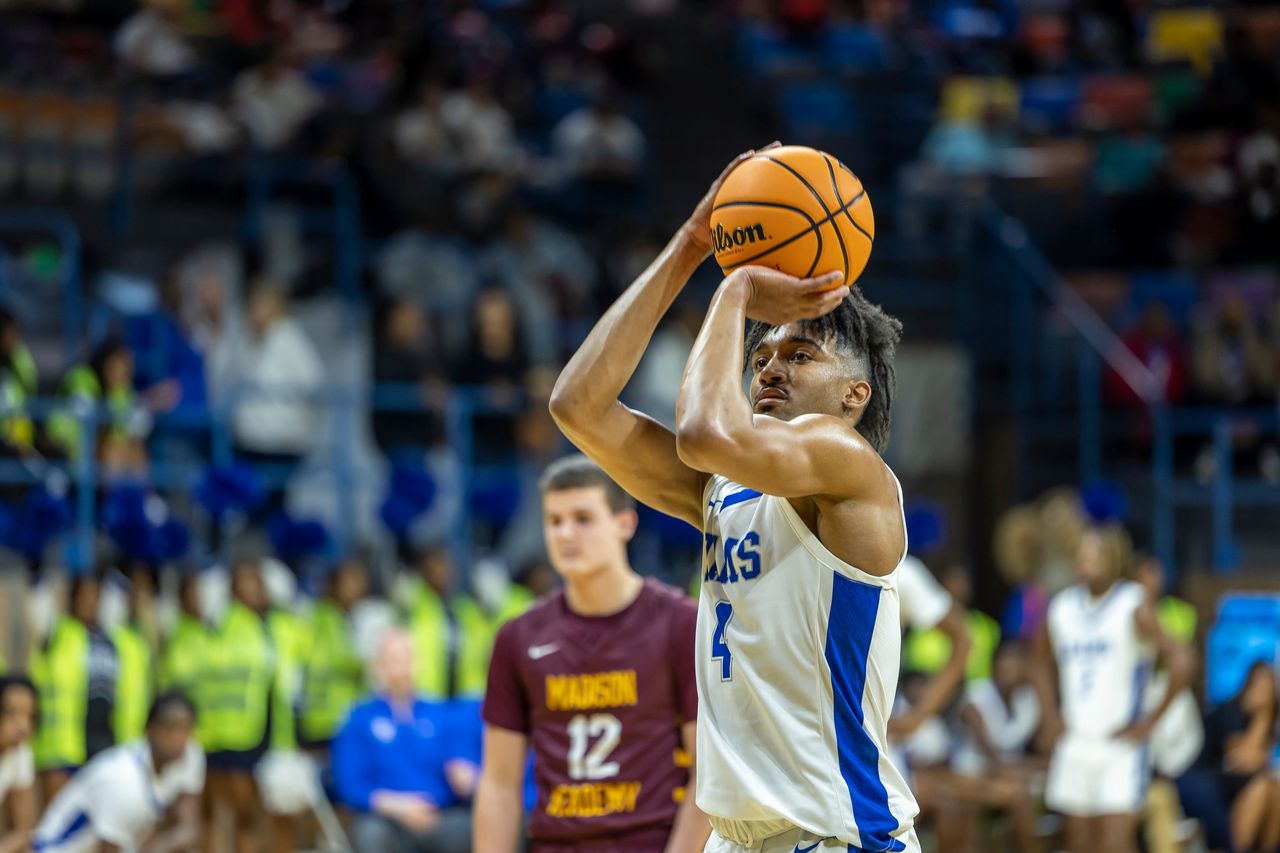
60 672
429 628
251 677
184 663
81 388
17 383
1178 619
333 677
928 651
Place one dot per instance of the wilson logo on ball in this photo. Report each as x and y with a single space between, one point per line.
723 240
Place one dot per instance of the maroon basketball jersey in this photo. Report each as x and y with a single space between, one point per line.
602 700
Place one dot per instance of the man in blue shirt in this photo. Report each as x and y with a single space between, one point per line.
405 764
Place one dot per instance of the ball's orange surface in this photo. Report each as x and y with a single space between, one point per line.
795 209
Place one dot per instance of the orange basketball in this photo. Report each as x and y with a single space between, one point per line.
795 209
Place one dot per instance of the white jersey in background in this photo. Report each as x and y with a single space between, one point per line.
1103 663
924 601
797 665
118 798
1009 728
1103 667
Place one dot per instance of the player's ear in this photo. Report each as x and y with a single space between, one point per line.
627 520
856 395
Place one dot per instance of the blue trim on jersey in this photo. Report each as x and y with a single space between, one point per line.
1139 688
1141 673
80 821
156 805
850 627
739 497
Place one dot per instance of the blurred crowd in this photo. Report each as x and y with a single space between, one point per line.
1139 142
276 675
979 764
290 682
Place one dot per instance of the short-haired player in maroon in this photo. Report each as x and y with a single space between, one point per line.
598 679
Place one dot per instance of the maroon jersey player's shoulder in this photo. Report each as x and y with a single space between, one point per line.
601 700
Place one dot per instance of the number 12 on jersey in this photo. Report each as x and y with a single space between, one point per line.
719 648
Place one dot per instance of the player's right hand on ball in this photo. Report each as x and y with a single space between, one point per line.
776 298
698 228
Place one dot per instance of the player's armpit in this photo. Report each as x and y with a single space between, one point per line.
639 454
810 456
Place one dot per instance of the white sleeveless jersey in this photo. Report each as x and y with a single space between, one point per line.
1103 662
797 664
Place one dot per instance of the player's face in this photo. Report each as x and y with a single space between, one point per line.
583 532
169 735
1091 564
1009 671
794 374
17 716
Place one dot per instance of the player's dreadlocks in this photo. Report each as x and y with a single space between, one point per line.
867 335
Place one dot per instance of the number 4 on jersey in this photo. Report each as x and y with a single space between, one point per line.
719 648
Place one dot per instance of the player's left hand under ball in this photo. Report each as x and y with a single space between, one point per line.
776 298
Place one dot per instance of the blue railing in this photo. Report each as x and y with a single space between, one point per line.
344 405
16 220
1044 406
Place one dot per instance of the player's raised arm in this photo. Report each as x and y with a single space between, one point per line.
635 450
816 452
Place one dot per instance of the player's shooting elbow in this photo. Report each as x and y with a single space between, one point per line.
702 444
564 405
575 405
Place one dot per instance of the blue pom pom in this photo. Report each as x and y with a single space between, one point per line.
1104 502
398 515
42 517
171 541
495 501
293 539
926 528
230 488
413 485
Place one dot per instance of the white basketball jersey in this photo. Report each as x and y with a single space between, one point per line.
1103 662
797 662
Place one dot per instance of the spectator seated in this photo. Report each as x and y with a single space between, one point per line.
1247 630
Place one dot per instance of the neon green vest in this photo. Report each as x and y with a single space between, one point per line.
60 671
333 678
251 677
429 628
928 651
183 665
17 383
517 600
1178 619
81 384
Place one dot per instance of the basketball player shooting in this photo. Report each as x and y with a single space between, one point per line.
798 640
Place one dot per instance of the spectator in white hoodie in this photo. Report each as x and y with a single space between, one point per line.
272 372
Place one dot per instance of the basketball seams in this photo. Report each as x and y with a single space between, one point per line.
816 228
853 221
840 201
830 214
829 218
